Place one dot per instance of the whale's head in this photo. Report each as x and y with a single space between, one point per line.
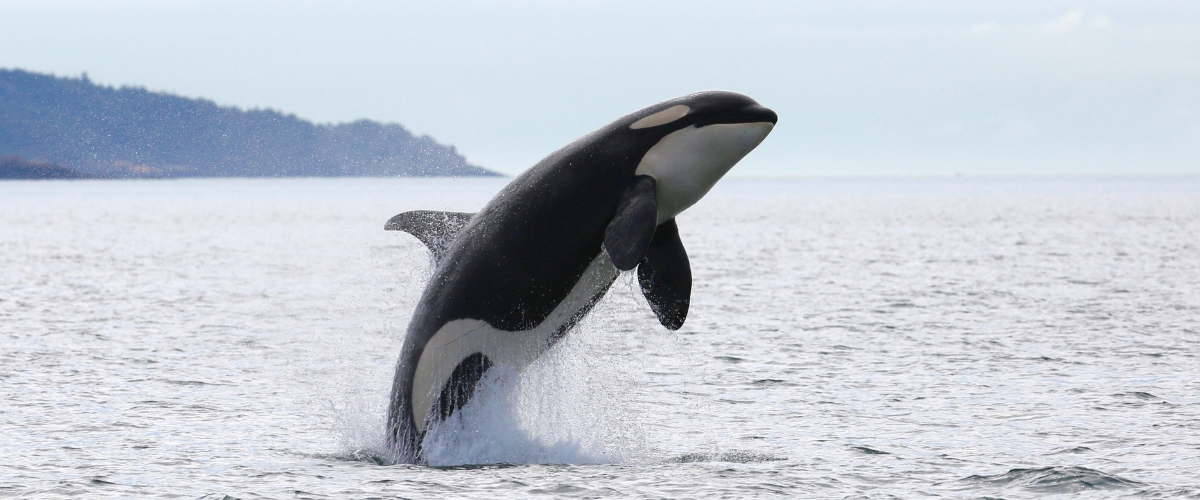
695 140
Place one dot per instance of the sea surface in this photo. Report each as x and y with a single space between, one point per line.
848 338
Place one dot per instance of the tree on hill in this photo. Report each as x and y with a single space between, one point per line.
12 167
133 132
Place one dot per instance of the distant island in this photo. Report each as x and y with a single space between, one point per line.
62 127
12 167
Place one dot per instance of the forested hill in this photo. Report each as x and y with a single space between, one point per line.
132 132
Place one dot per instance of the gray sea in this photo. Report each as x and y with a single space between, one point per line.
848 338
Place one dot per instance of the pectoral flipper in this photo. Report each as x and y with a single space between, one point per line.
631 230
666 276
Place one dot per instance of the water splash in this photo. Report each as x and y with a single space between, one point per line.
570 406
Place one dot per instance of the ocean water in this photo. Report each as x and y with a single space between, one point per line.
947 338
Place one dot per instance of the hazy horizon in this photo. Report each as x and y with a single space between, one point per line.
935 88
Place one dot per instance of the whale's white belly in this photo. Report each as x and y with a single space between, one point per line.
460 338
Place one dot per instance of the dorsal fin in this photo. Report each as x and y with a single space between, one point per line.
435 229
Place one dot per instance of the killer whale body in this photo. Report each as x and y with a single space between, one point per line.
513 279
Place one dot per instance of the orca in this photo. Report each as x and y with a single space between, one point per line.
514 278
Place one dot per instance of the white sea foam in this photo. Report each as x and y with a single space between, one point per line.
571 406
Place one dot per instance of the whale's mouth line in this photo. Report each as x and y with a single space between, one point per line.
468 332
748 122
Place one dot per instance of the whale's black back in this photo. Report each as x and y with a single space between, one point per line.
521 255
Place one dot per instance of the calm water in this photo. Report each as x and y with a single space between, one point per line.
953 338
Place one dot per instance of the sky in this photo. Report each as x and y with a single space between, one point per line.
862 88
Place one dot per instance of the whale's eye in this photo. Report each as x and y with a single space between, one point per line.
662 117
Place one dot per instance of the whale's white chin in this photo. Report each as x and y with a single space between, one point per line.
688 162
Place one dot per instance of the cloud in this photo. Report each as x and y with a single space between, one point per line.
1191 136
1015 126
951 127
985 28
1068 21
1100 22
1075 19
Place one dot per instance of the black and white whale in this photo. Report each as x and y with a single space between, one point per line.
512 279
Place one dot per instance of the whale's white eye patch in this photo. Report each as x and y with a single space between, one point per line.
662 117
